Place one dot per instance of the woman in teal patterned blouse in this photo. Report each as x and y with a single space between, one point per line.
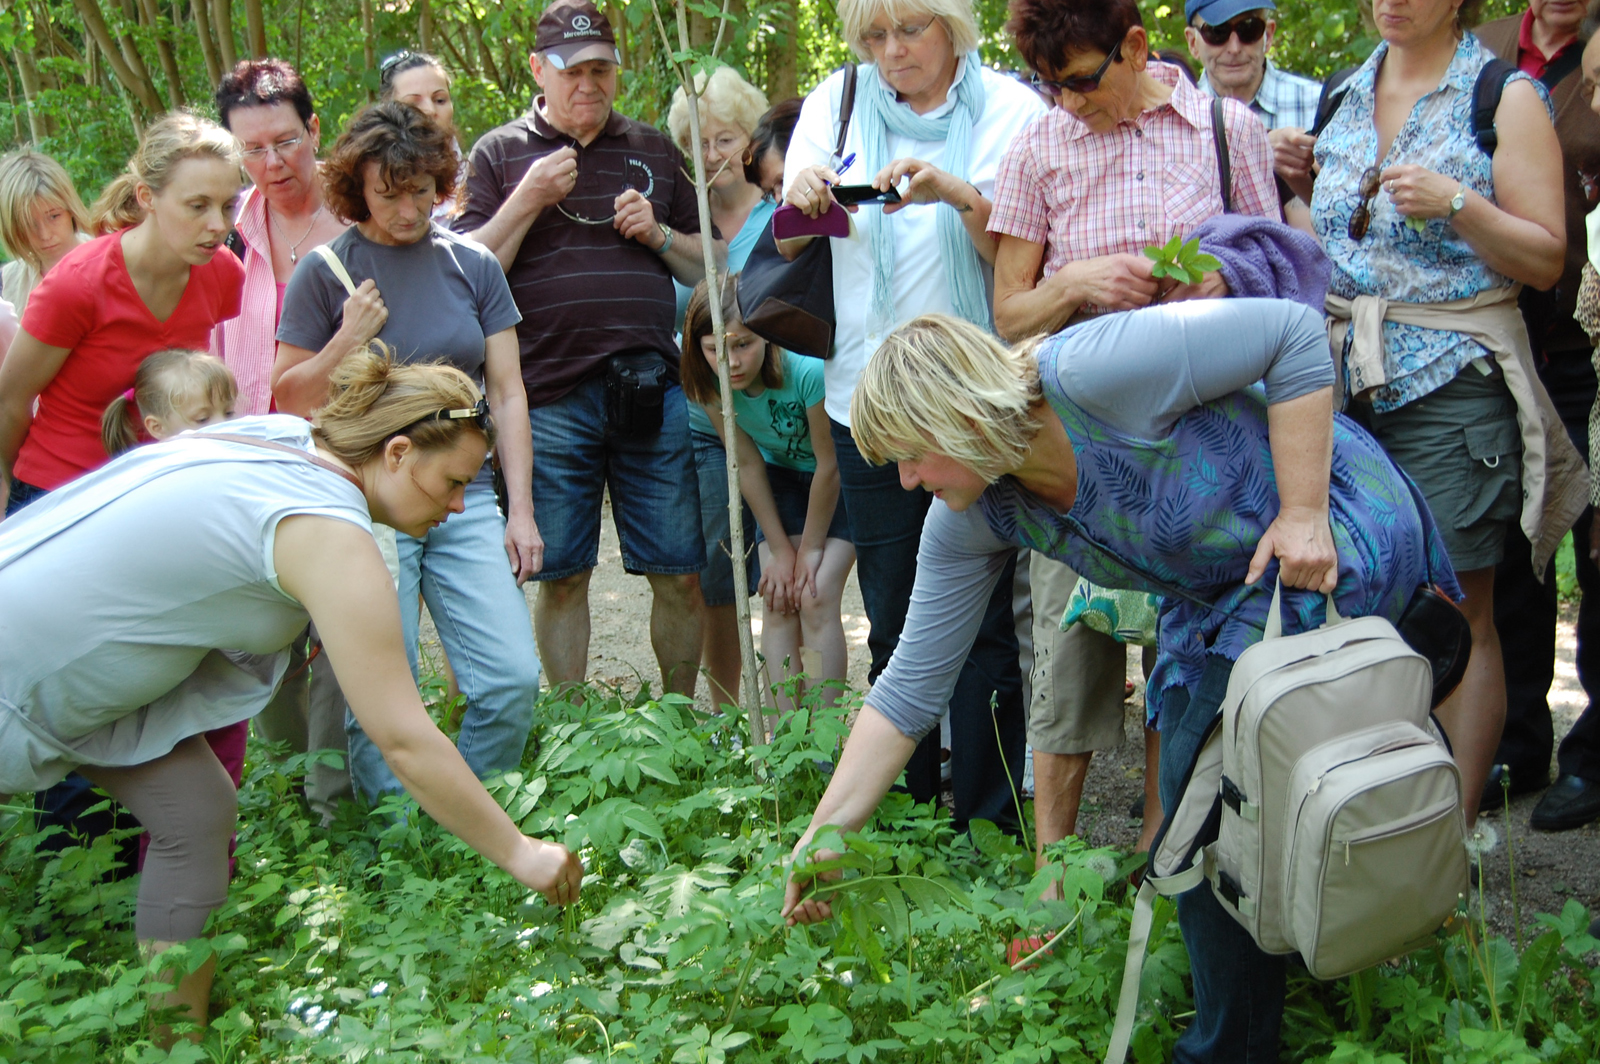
1419 219
1142 450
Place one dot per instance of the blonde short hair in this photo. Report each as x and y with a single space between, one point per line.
941 383
26 178
959 21
726 97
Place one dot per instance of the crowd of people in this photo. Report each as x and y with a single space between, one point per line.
264 401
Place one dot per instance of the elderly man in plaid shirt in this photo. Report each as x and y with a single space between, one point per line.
1231 39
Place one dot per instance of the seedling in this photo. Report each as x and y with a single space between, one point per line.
1181 260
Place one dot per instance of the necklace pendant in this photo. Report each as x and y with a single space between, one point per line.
293 258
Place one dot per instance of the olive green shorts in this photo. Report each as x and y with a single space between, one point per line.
1461 445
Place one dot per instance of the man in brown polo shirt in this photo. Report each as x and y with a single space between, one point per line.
592 215
1543 42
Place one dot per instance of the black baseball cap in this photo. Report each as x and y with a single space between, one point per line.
575 31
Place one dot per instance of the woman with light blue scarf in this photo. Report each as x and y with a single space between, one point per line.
931 121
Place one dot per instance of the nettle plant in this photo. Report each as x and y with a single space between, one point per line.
384 938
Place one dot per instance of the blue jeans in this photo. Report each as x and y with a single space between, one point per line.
716 579
462 571
21 495
655 501
886 528
1238 989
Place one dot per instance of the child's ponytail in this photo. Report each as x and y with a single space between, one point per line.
118 425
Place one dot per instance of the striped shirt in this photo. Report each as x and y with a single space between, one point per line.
585 292
1084 194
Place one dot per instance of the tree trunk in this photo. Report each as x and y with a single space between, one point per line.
169 62
783 55
425 25
208 45
461 54
222 19
135 80
255 28
369 46
40 125
16 112
751 690
486 57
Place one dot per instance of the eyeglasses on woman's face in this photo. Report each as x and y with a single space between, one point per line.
1080 86
876 38
1250 28
283 148
1361 217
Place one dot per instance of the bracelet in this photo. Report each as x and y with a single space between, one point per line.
666 231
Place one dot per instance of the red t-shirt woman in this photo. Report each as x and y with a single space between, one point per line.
162 280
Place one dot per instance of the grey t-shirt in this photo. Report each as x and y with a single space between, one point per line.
445 295
1138 372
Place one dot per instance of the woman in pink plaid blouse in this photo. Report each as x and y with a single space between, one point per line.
1126 160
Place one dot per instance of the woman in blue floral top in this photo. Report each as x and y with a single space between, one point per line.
1165 468
1428 234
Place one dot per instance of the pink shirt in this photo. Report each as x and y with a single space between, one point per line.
1084 194
247 344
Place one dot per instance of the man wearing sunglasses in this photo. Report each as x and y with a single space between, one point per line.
1231 38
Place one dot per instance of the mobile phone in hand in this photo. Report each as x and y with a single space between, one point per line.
851 195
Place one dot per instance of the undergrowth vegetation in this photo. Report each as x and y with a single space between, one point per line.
383 938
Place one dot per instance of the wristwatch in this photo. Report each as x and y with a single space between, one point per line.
666 231
1458 201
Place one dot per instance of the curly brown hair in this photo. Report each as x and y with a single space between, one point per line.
405 144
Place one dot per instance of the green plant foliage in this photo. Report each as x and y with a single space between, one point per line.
383 938
1180 259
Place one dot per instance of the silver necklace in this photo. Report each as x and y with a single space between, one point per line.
294 258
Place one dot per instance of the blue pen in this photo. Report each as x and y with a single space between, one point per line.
848 159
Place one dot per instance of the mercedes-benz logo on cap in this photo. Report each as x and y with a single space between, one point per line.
580 22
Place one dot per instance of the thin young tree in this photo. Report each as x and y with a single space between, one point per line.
686 62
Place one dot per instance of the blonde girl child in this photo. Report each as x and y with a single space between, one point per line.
173 391
789 479
41 219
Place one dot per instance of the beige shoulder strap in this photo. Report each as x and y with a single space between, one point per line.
332 259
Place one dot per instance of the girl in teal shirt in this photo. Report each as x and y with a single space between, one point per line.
789 480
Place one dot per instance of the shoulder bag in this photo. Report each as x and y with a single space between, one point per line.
791 303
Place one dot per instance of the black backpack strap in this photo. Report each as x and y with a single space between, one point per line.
1486 93
1562 65
1219 135
1333 91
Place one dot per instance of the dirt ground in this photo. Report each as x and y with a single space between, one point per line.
1550 868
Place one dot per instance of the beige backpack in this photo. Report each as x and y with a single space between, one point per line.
1324 806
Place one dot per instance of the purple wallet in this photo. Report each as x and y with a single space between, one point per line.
789 221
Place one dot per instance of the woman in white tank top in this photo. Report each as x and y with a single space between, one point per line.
154 599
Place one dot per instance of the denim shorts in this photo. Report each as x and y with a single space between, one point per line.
716 579
791 491
655 500
1462 447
